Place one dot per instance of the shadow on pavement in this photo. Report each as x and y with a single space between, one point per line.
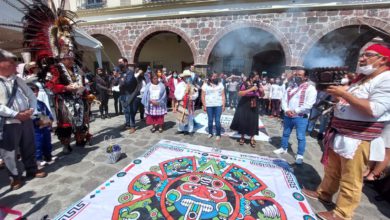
23 198
37 206
168 125
114 132
374 198
75 157
307 176
276 141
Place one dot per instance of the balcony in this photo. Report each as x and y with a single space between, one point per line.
91 4
104 4
144 2
120 10
100 4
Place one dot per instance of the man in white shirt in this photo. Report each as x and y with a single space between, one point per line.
297 102
17 105
358 122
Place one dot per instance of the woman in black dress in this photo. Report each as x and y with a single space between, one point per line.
246 117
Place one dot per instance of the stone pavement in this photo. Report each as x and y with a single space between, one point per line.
73 176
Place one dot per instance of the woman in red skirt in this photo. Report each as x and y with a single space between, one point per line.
155 102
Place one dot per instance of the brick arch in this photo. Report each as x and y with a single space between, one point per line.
110 36
318 34
145 35
247 24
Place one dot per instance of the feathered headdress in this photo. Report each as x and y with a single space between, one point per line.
47 31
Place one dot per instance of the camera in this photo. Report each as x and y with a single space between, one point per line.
324 77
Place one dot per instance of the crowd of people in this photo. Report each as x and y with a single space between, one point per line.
356 132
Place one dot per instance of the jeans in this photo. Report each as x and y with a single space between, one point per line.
117 104
129 109
43 145
324 120
232 99
214 114
300 125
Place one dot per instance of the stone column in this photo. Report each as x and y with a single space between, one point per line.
202 69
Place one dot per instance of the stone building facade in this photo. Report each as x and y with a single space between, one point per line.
297 31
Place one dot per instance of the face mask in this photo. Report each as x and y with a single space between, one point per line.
215 81
121 66
366 70
264 82
175 76
188 80
298 80
277 81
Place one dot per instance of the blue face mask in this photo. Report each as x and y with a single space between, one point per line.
188 80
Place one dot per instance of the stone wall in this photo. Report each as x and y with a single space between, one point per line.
297 32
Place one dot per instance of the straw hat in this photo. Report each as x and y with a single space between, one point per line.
185 73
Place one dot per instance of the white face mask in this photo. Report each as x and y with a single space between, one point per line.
367 70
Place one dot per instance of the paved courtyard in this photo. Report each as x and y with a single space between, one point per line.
73 176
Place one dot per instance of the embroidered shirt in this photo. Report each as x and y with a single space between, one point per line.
299 99
377 91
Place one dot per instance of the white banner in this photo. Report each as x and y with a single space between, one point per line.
226 121
174 180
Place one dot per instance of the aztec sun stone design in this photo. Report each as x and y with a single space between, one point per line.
190 188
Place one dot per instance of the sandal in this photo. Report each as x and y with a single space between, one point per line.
252 143
153 130
375 177
242 141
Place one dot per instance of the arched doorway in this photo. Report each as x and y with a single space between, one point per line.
341 47
163 49
247 49
110 54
